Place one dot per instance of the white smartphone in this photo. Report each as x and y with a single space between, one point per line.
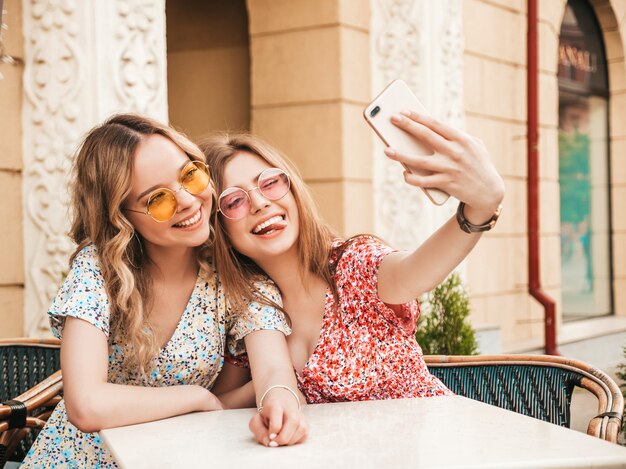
394 98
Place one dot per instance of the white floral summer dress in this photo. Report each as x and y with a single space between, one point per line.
194 354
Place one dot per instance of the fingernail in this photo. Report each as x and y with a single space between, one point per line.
273 444
272 436
397 118
389 152
406 113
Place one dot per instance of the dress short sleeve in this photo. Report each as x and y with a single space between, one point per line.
82 295
258 317
357 273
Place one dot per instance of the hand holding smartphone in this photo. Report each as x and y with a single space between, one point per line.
397 97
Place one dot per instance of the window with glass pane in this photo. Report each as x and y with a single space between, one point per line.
584 166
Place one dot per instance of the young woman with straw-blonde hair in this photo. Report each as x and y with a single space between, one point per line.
142 313
351 302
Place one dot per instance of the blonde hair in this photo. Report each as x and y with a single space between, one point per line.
101 179
239 273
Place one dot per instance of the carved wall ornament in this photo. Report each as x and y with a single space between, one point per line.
53 79
398 44
421 43
139 61
83 62
452 62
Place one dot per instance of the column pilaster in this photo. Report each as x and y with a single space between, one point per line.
420 42
84 60
310 80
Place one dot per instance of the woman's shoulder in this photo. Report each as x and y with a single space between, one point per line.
208 273
212 287
85 263
358 246
89 250
88 255
82 295
209 289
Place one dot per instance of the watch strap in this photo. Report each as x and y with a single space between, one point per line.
470 227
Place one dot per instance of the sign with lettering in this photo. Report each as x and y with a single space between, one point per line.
580 59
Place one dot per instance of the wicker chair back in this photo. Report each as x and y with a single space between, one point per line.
540 392
539 386
24 364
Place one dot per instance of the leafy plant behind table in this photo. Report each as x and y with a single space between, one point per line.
621 374
443 327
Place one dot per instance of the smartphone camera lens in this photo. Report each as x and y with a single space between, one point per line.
374 111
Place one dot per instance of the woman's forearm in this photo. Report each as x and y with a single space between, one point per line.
277 376
238 398
271 365
109 405
405 276
93 403
463 169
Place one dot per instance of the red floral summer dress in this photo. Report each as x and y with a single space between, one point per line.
365 351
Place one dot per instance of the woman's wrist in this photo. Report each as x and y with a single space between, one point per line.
478 216
205 400
472 227
282 393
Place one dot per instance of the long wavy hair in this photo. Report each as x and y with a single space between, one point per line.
101 179
238 273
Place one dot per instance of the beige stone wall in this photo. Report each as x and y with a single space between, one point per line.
298 73
310 80
11 244
208 70
495 106
495 95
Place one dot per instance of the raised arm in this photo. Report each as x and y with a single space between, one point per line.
279 420
462 168
93 404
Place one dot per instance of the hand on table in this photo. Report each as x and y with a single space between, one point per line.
279 422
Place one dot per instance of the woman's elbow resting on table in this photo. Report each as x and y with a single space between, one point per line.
85 413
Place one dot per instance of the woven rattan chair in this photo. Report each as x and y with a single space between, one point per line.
30 387
539 386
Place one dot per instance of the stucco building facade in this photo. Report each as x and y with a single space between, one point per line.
299 73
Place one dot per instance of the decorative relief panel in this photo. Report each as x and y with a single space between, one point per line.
69 87
452 63
398 42
140 67
420 42
52 86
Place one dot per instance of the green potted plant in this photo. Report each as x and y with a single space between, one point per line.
443 327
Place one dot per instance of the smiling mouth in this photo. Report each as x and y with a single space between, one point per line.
189 221
271 225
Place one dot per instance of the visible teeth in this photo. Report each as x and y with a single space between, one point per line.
267 223
191 221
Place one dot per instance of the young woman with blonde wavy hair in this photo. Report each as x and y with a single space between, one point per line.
351 302
142 313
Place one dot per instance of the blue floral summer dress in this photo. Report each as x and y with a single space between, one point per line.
193 355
